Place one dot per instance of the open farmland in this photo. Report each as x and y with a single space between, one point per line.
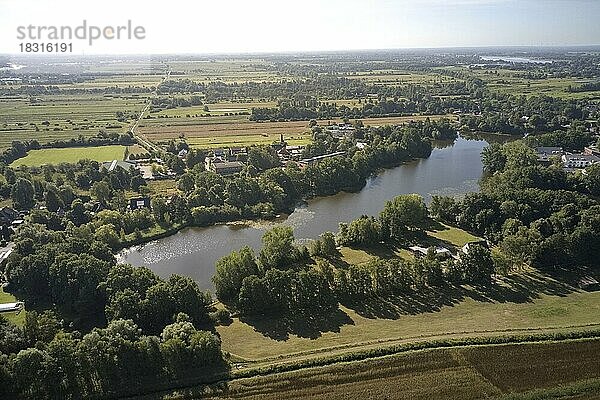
226 70
232 130
61 117
70 155
520 371
516 82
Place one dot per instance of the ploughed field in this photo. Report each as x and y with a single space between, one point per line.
542 370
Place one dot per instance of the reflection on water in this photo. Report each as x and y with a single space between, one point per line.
450 170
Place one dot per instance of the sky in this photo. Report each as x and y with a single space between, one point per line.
250 26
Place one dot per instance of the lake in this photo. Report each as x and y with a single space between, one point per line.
454 168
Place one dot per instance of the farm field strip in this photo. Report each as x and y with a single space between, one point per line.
223 127
465 372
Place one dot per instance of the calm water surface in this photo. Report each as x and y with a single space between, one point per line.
452 169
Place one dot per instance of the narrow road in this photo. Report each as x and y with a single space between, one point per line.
140 139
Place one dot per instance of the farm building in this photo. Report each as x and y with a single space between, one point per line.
111 165
139 202
290 153
221 166
341 130
227 167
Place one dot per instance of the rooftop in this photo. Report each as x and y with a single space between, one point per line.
111 165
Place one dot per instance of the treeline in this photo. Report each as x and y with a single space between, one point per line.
538 215
319 86
52 89
584 87
163 103
298 111
42 361
282 282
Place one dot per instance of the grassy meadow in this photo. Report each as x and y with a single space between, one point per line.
36 158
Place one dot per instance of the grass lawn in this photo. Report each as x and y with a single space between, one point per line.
435 230
524 301
355 256
19 318
70 155
450 234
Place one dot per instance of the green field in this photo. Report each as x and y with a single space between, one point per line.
49 118
19 318
515 83
452 235
521 302
70 155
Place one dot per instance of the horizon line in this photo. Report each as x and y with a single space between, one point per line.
289 52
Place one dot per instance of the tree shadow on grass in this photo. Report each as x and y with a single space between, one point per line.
519 288
305 326
523 288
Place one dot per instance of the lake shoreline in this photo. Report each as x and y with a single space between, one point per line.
452 169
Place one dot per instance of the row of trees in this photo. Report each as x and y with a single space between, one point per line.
281 280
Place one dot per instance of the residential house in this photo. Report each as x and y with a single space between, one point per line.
139 202
579 160
441 252
545 154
